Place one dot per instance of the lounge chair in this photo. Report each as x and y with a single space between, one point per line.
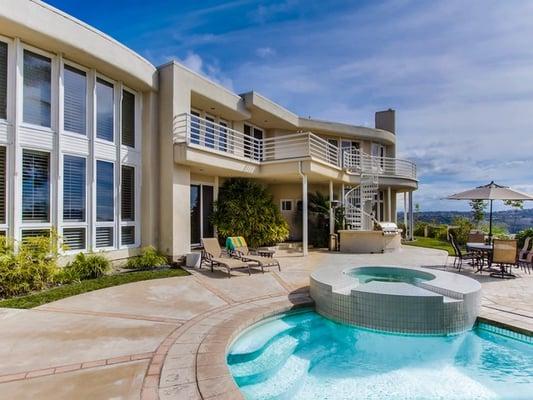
473 257
504 253
214 256
238 248
526 263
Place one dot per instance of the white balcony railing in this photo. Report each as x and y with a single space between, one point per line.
200 132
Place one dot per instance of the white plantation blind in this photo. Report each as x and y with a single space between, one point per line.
74 238
128 118
104 236
2 185
127 234
75 100
104 110
35 186
3 80
128 194
37 91
74 173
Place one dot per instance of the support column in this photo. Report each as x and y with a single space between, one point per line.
216 185
411 219
389 205
331 213
405 215
304 215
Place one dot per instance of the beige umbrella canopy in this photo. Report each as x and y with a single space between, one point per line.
491 192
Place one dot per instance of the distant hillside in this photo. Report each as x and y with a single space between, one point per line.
513 220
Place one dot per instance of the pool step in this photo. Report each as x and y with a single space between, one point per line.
250 347
267 364
283 385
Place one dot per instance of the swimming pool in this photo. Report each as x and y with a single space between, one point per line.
305 356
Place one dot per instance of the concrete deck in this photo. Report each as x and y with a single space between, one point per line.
167 338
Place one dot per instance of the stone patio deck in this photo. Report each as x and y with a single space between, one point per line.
167 338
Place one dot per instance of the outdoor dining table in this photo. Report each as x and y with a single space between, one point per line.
485 249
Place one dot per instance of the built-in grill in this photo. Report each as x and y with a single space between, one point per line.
389 228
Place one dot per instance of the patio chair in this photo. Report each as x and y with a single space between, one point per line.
473 257
238 248
504 253
526 262
214 256
476 237
525 249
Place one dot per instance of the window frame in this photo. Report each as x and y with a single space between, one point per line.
283 201
24 225
88 115
114 83
5 226
136 209
66 224
104 224
136 127
53 87
10 85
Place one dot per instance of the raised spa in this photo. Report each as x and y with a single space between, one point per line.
397 299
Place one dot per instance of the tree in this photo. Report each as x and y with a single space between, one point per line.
246 208
478 211
514 203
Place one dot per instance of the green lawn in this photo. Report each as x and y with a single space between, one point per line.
57 293
432 244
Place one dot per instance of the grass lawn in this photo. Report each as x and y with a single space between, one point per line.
57 293
432 244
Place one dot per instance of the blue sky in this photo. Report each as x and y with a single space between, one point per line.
459 74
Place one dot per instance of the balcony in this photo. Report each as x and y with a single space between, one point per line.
206 135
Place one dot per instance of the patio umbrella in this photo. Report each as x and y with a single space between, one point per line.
491 192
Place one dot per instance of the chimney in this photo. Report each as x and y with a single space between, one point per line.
386 120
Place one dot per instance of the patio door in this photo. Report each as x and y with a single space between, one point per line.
252 148
378 157
201 211
352 147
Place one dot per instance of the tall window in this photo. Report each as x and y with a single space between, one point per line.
104 203
75 100
37 91
128 118
2 185
74 173
128 194
104 191
35 186
3 80
104 110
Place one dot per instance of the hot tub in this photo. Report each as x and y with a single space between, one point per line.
397 299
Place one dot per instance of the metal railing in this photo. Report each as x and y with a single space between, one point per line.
360 162
207 134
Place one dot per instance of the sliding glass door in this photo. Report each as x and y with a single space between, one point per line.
201 211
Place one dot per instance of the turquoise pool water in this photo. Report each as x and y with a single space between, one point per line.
304 356
388 274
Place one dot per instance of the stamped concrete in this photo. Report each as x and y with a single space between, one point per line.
167 339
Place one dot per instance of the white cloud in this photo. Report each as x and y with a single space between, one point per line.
264 52
194 62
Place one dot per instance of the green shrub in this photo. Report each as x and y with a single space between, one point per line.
86 266
522 235
148 259
420 227
246 208
33 267
461 229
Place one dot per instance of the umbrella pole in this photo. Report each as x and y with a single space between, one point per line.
490 223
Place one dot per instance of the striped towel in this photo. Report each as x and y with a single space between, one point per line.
235 242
